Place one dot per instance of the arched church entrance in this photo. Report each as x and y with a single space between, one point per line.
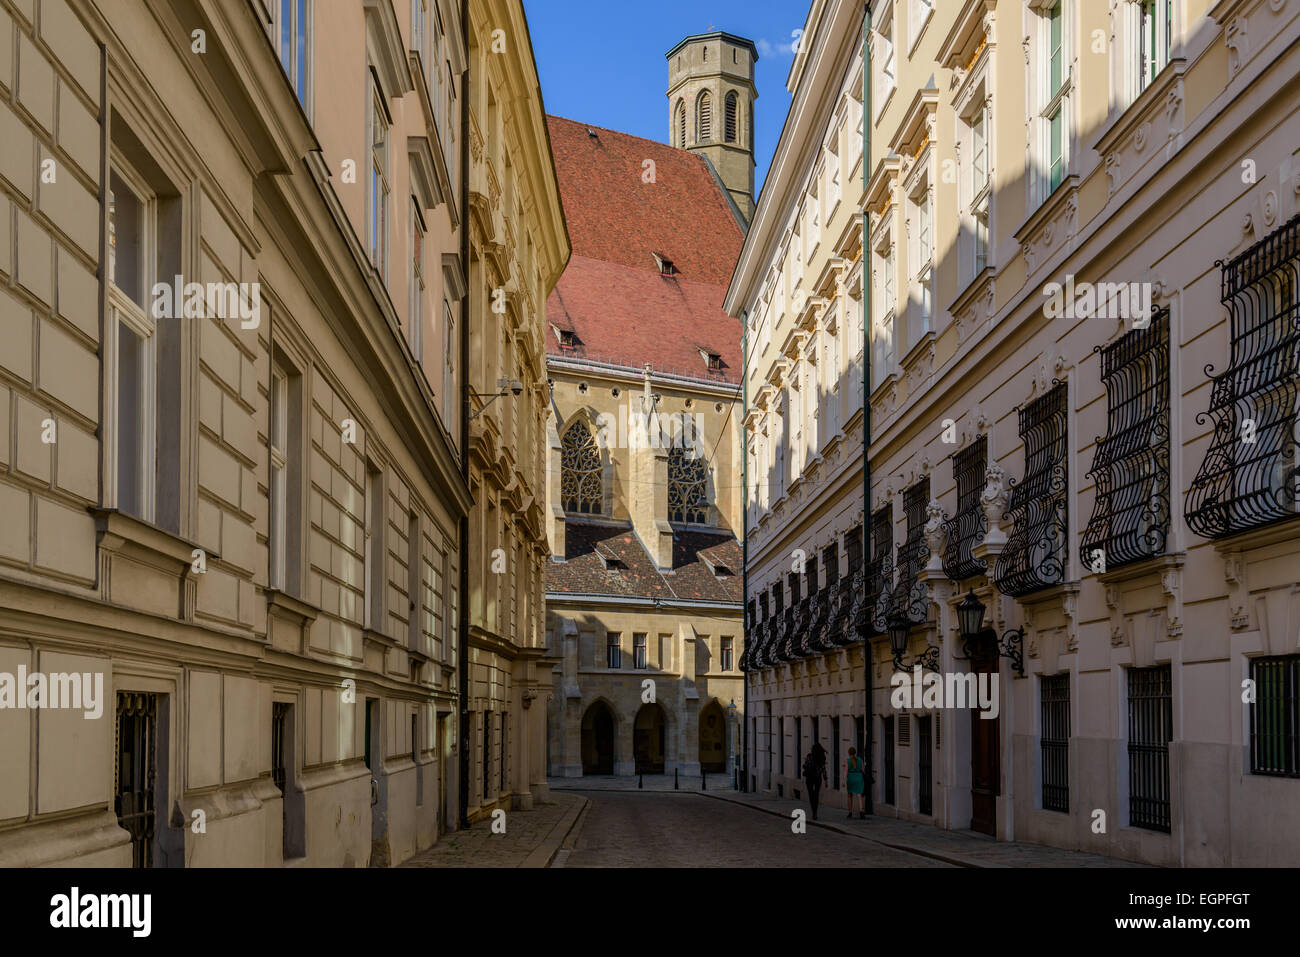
598 740
713 739
648 739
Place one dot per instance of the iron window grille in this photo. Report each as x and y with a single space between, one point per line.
880 572
1275 716
887 752
581 473
966 529
747 653
1150 729
924 765
852 605
1037 548
913 554
137 772
1130 518
1054 739
1250 476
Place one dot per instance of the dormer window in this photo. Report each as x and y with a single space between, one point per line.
666 267
712 360
567 337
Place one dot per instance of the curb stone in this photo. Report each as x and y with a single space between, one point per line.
542 855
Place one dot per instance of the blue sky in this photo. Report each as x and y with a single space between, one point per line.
602 61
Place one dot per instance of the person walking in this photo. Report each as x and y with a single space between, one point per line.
857 783
814 774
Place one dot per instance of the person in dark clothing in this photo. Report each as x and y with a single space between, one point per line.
814 775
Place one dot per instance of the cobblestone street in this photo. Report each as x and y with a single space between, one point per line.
531 838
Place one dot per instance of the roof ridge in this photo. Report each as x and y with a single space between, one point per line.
626 136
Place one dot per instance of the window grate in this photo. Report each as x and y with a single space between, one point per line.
913 553
1275 716
1037 548
1250 476
1150 729
137 771
1054 739
279 728
966 529
924 765
1130 520
880 572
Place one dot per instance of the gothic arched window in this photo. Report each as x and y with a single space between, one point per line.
730 118
704 118
688 498
581 486
681 124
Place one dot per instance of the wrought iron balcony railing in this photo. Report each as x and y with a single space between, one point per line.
1036 550
913 554
1130 518
1250 476
966 529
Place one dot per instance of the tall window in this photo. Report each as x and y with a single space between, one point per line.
704 118
613 651
638 651
885 55
688 495
417 283
1130 518
419 17
132 247
728 653
1155 29
1054 737
377 192
966 529
924 259
910 600
581 472
980 188
450 348
1054 120
1275 716
374 570
1150 729
730 117
681 124
295 47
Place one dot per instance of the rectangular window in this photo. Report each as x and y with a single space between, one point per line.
1055 118
414 572
966 529
504 721
487 753
295 47
613 651
1155 31
1054 738
377 191
638 651
136 772
1150 729
727 653
910 600
279 741
449 346
979 154
416 319
415 760
132 247
374 534
1275 716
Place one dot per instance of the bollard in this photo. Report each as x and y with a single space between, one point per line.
640 780
674 779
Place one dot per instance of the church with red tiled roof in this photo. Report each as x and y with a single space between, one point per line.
644 494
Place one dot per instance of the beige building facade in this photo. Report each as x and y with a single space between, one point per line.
232 507
1082 257
518 248
798 288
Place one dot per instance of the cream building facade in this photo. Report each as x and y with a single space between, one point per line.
518 248
238 509
1082 246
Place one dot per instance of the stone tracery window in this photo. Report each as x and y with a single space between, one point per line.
581 481
688 499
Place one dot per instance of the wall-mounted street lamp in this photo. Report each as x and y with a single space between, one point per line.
899 629
507 386
970 619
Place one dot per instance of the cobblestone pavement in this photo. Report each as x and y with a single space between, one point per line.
964 848
531 838
645 782
622 829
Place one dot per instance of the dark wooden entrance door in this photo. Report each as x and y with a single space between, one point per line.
984 770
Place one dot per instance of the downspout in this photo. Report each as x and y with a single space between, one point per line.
867 664
744 544
462 658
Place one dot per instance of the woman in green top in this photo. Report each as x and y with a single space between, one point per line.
857 783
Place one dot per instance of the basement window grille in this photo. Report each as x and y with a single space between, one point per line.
1250 476
966 529
137 772
1275 716
1054 739
1150 729
1130 519
1036 551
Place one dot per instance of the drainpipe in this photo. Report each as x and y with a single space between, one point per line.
462 658
743 769
867 665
